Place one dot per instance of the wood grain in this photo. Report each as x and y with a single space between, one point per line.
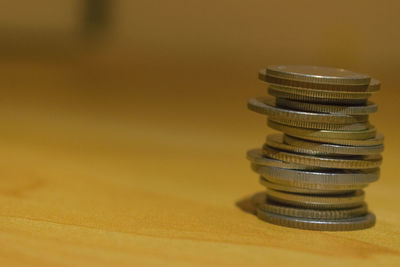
91 192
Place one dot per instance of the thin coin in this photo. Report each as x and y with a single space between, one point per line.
332 109
358 99
302 190
325 135
315 74
267 106
350 224
374 85
356 162
255 157
339 201
360 126
261 201
374 141
323 178
314 148
308 77
315 93
331 188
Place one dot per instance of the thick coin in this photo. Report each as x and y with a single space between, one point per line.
332 109
261 201
314 148
320 179
356 223
339 201
315 77
267 106
255 157
360 126
304 190
356 99
355 163
328 136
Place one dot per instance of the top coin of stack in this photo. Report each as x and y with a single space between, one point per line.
315 171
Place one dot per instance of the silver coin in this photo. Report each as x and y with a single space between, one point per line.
356 223
355 162
304 190
356 138
297 145
369 108
261 201
267 106
255 156
338 201
316 74
322 98
319 176
325 82
316 148
360 126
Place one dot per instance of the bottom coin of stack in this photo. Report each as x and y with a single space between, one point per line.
316 169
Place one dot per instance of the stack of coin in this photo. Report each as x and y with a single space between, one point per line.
328 152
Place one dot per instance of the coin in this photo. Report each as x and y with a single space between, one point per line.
356 162
321 125
315 74
315 148
328 136
304 190
297 145
267 106
312 188
338 201
356 223
333 109
324 98
374 86
318 177
255 156
261 201
315 77
318 93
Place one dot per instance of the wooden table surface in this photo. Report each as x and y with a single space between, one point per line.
96 192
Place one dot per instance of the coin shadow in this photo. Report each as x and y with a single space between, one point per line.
245 204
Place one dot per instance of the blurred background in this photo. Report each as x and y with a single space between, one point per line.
159 88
